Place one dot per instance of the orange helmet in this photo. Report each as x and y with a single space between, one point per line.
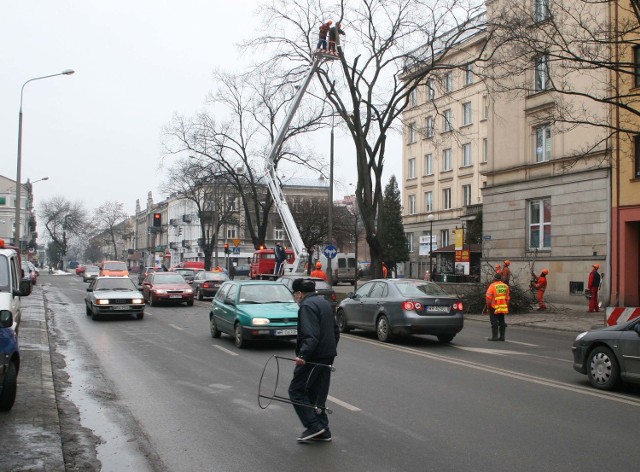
507 262
545 271
498 266
596 266
318 265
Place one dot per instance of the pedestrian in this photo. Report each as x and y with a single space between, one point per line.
232 271
497 299
281 256
506 272
334 37
318 272
593 286
316 348
385 271
498 269
322 38
541 286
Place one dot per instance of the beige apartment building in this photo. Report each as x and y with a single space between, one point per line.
543 185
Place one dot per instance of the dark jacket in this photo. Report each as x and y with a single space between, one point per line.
318 332
280 254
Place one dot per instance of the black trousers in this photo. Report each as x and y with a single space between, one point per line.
310 386
496 320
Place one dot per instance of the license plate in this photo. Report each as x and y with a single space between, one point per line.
121 307
439 309
286 332
175 296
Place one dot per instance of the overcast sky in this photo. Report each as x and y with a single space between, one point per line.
97 134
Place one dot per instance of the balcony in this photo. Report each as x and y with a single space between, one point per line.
186 243
186 218
472 210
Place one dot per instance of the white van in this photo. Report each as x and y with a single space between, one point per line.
343 267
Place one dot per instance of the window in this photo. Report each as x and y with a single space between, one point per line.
412 204
409 241
413 97
543 143
231 202
448 82
540 224
542 10
431 91
466 113
412 133
485 107
428 164
541 81
636 141
446 199
429 127
485 150
232 232
278 233
446 160
636 65
428 201
412 168
466 195
447 124
444 237
466 155
468 74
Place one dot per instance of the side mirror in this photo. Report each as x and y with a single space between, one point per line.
6 319
351 295
89 289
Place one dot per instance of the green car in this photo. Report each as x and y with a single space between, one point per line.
254 309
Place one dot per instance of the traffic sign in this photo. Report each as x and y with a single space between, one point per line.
236 250
486 237
236 243
330 251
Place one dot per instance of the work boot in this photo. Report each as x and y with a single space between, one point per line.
502 330
494 334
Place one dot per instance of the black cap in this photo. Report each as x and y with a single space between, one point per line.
304 285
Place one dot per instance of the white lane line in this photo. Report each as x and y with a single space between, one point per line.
346 405
231 353
176 327
524 344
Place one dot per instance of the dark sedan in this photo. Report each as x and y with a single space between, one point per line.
207 283
402 307
188 274
609 355
166 287
322 288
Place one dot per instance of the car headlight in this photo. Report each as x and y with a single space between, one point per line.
159 290
138 301
102 301
581 335
188 291
260 321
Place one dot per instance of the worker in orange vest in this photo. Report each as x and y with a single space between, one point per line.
318 272
498 269
497 298
541 286
506 272
593 286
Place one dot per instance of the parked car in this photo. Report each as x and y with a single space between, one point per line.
322 288
166 287
402 307
609 355
187 273
147 270
113 296
90 272
206 283
12 286
242 270
114 269
80 269
250 310
9 361
27 275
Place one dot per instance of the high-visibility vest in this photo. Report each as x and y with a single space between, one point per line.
498 297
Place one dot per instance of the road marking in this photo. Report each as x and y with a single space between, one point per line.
346 405
225 350
589 391
176 327
498 352
524 344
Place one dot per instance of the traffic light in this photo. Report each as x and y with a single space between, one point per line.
226 248
157 220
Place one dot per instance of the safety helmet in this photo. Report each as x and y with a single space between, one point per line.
507 262
498 266
545 271
318 265
596 266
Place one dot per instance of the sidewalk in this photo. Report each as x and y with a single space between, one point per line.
30 432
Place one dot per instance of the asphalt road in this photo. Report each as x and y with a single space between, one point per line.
161 394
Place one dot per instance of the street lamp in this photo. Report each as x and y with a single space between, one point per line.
430 218
16 233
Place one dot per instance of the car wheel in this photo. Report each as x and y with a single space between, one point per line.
95 316
446 338
199 294
602 368
9 388
342 322
383 330
139 316
237 336
190 302
215 332
88 310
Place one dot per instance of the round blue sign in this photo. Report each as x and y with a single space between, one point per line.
330 251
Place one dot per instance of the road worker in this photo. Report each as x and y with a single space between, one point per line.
541 286
593 286
497 299
318 272
506 272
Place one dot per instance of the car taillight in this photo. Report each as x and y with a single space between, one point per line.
207 285
411 306
458 306
333 297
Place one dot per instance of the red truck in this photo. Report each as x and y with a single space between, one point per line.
263 263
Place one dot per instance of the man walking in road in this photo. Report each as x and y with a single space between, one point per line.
593 286
318 336
497 299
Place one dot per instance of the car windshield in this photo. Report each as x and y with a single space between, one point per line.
123 283
322 285
168 279
263 293
115 266
419 289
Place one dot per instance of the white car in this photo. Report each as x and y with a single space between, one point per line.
108 296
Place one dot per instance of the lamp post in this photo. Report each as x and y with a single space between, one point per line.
16 233
430 218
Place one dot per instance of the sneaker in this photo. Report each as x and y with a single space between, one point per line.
310 433
326 436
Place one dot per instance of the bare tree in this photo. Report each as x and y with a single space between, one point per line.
108 219
63 218
208 187
370 85
249 110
